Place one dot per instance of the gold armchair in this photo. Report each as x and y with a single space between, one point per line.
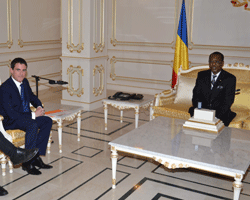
176 102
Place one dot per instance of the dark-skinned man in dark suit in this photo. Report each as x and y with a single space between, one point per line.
15 97
215 89
16 155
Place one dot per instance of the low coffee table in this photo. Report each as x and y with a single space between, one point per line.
167 142
128 104
59 113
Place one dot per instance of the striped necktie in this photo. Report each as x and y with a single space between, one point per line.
25 103
213 81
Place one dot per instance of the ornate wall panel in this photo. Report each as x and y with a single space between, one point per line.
78 71
98 77
218 25
149 23
36 25
99 17
75 26
142 71
6 24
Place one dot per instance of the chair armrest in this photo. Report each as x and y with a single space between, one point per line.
6 135
165 96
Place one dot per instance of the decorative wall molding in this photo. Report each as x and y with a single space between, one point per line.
98 89
22 43
237 3
80 72
44 58
9 27
115 42
5 63
191 45
99 47
114 77
80 46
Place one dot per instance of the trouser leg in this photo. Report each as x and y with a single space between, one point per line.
44 124
6 146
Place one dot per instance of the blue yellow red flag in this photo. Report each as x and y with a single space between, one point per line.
181 46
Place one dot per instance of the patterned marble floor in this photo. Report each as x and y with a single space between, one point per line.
83 170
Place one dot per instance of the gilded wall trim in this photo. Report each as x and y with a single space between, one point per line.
5 63
80 46
114 60
98 89
37 59
87 58
101 45
25 51
115 42
71 90
9 27
22 43
192 45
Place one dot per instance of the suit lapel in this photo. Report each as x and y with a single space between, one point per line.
13 85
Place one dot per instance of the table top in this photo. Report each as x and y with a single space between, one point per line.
61 110
130 102
229 150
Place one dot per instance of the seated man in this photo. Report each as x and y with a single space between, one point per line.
15 98
215 89
17 155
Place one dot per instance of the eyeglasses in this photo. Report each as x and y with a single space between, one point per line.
215 62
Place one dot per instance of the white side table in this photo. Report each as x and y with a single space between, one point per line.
65 112
122 105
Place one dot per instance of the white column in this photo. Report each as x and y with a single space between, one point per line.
84 54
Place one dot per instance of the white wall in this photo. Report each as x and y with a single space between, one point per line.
143 36
31 29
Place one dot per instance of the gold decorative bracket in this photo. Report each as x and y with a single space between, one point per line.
71 90
98 90
237 3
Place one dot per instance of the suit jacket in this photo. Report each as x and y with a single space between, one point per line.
11 104
220 98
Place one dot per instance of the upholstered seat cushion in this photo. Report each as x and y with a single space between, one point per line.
246 124
179 111
18 137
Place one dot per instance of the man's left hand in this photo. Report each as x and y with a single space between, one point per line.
40 112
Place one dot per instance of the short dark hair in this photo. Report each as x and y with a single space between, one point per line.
18 60
216 53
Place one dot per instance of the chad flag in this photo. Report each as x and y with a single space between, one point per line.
181 46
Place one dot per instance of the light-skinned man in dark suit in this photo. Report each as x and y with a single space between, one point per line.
15 97
16 155
215 89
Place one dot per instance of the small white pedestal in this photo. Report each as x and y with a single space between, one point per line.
204 119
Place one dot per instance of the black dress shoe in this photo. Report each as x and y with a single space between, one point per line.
30 168
23 155
39 163
3 192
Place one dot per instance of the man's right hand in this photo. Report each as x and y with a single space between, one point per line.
40 111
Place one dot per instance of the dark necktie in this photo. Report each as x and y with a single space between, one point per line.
213 81
24 102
